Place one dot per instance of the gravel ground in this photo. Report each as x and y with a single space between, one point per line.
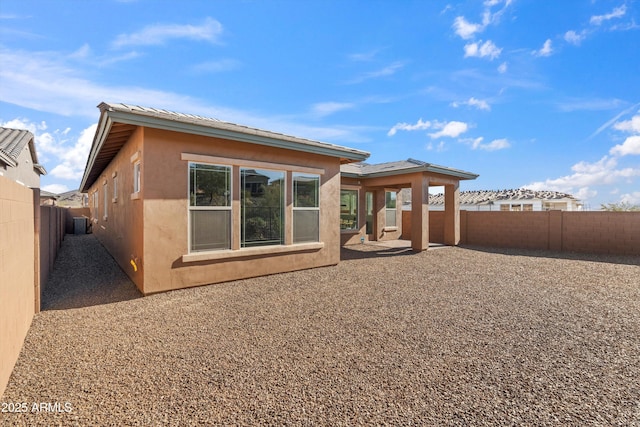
453 336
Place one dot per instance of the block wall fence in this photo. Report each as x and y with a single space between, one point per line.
588 232
30 236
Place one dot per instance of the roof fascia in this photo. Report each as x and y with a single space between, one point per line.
197 129
8 159
423 168
101 134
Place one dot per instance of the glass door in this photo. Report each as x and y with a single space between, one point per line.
369 214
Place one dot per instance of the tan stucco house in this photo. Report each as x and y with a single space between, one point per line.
18 157
182 200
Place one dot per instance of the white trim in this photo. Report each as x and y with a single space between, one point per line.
255 251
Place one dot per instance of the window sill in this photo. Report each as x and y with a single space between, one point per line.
114 200
246 252
135 196
393 228
349 231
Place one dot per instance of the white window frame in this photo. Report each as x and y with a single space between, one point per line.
137 179
115 188
357 223
209 208
105 196
295 208
387 209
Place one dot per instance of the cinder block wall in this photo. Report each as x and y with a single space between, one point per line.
588 232
17 272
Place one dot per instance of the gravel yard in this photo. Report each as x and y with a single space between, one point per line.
452 336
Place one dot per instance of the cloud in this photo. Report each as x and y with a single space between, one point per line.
632 125
56 188
589 104
218 66
389 70
603 172
323 109
575 38
420 125
502 68
482 50
545 50
631 146
466 30
438 148
209 31
473 102
631 198
363 56
618 12
451 129
496 144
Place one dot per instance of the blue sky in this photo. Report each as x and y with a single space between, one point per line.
540 94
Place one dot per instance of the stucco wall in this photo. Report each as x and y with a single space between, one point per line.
436 226
18 272
121 232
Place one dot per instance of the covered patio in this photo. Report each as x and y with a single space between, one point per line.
377 190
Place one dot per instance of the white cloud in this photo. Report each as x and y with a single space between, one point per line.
323 109
496 144
451 129
545 50
389 70
575 38
618 12
480 104
209 31
502 68
482 50
440 147
585 175
420 125
55 188
631 198
218 66
631 146
632 125
466 30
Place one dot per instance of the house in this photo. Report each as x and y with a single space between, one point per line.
520 199
181 200
18 158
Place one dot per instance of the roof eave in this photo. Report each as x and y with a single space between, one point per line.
104 124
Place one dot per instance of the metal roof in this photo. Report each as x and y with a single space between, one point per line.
12 142
483 197
118 121
365 170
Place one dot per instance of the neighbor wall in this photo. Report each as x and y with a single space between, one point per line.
17 271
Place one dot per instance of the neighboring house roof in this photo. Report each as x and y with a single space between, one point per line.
118 121
12 142
47 195
365 170
483 197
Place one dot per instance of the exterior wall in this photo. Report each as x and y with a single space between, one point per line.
160 220
121 232
436 226
18 271
589 232
24 172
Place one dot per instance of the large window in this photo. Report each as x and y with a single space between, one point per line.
306 208
390 208
261 207
348 209
209 207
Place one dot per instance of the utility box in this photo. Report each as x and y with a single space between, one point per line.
79 225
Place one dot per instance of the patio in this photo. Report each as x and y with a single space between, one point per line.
442 337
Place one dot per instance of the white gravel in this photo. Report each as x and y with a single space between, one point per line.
454 336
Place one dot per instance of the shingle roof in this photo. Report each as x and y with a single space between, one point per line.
482 197
126 118
12 142
400 167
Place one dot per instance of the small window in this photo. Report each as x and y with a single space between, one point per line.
136 177
106 198
209 207
390 208
348 209
115 188
306 208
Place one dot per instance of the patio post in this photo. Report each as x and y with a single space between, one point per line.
420 213
452 214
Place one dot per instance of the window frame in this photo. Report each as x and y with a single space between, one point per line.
191 208
283 210
315 208
356 226
387 209
105 196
